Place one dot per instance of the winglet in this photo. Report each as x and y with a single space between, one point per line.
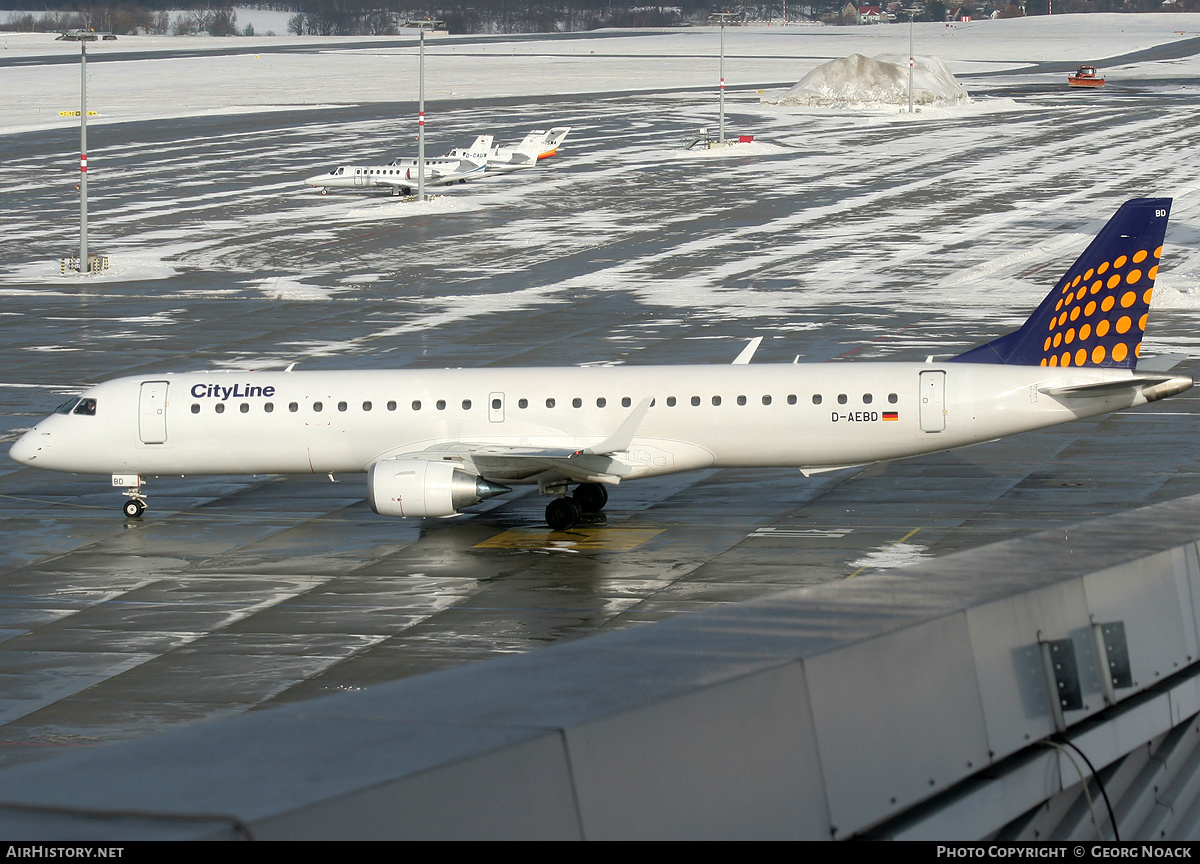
747 352
623 437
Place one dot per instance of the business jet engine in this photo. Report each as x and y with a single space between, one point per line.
416 487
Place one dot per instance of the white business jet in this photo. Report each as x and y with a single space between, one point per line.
432 442
538 144
400 176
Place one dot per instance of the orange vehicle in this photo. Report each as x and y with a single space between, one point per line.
1086 76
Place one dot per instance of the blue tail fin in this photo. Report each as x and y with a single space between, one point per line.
1096 314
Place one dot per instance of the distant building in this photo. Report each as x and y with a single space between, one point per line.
868 15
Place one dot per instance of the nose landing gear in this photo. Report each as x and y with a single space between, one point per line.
132 483
586 502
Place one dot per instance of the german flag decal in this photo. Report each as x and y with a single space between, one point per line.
891 415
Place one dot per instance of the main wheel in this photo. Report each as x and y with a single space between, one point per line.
134 508
562 513
591 497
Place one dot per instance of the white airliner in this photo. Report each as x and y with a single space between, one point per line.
538 144
435 441
401 175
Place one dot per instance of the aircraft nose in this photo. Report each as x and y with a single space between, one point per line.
28 447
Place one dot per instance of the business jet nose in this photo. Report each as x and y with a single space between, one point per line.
28 447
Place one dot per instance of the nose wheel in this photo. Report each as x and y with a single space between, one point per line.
135 506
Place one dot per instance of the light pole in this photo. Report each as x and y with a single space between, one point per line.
422 25
83 37
910 62
722 18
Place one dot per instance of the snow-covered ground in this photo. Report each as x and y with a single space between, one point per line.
494 67
966 213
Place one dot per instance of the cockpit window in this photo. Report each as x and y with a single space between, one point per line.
68 406
86 406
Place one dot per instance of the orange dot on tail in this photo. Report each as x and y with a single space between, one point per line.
1128 299
1080 356
1137 350
1102 269
1054 360
1146 295
1108 303
1153 272
1066 358
1102 328
1123 324
1158 252
1140 256
1084 332
1113 280
1098 354
1120 351
1133 276
1120 262
1142 323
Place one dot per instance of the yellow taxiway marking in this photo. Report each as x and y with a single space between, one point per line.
897 543
591 539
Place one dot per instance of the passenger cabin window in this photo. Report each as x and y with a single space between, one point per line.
318 407
817 399
893 398
441 404
791 398
626 402
601 402
670 401
695 400
293 407
716 400
244 407
219 408
416 405
392 406
466 404
841 398
766 400
550 403
867 397
496 404
342 406
576 402
522 403
268 407
741 400
195 408
366 406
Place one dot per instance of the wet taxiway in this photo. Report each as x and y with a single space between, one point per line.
235 593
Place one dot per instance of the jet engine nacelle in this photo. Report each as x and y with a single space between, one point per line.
416 487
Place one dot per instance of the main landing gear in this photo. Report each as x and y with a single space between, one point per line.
567 511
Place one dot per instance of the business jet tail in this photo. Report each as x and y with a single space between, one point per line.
1096 314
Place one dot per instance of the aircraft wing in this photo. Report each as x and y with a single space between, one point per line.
598 463
504 463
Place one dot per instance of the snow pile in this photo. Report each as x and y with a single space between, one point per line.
874 82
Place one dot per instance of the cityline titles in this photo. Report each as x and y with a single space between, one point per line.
216 391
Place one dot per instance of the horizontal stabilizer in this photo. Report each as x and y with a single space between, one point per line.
1161 363
1153 387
